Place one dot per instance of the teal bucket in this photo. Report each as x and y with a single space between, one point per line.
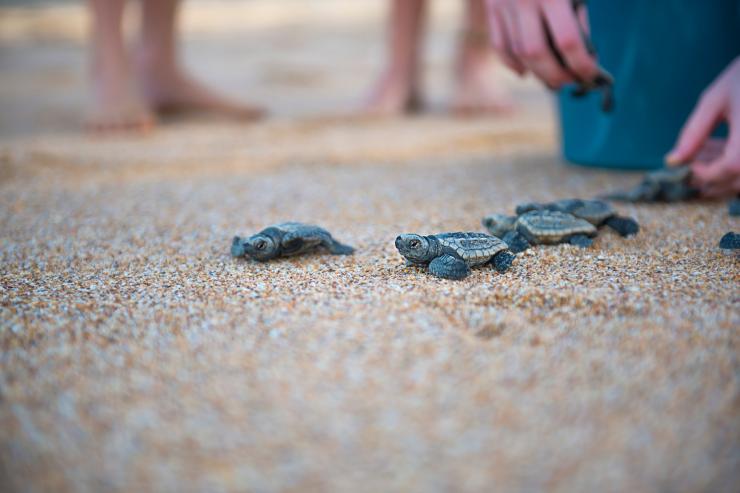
662 55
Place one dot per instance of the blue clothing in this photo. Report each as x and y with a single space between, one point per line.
662 54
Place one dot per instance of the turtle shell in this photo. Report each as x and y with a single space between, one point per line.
529 206
473 248
593 211
552 226
299 229
677 175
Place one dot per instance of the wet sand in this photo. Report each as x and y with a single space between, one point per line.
137 355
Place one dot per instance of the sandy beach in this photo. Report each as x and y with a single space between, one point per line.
137 355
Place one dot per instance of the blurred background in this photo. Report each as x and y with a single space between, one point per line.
299 58
136 355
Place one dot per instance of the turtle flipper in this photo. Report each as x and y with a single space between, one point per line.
293 245
730 241
237 247
733 208
336 248
502 260
582 241
625 226
516 241
449 267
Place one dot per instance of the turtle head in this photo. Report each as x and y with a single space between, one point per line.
415 248
260 247
499 224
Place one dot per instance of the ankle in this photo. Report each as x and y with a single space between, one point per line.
400 77
154 61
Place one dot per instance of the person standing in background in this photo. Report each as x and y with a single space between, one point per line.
129 89
398 89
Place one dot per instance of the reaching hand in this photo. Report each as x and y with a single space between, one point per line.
715 164
518 34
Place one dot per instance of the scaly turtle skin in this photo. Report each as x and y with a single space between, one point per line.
730 241
597 212
663 185
286 239
451 255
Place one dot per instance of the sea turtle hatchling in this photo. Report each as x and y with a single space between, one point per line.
543 227
451 255
597 212
663 185
286 239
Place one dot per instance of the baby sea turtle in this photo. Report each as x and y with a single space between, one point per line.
733 208
663 185
451 255
286 239
543 227
597 212
730 241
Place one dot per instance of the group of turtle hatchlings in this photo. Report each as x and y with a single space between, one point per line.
452 255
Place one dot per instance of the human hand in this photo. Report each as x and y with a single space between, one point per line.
715 163
518 32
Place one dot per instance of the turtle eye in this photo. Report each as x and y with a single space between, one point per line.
260 245
414 243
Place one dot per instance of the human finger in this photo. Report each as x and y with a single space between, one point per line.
501 39
532 49
711 150
564 27
705 116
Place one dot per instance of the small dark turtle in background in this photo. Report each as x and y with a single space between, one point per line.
730 241
663 185
546 227
282 240
734 206
451 255
597 212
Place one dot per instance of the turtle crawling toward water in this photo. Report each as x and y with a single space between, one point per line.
663 185
285 239
597 212
543 227
451 255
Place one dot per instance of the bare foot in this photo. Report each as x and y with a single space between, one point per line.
116 105
478 91
393 95
169 90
